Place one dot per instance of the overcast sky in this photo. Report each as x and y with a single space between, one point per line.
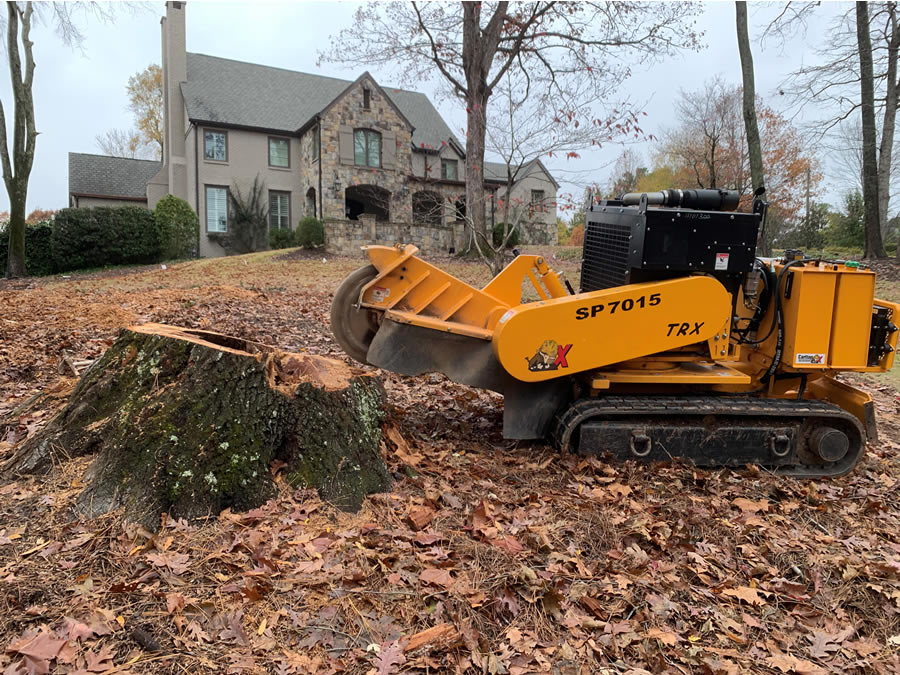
80 93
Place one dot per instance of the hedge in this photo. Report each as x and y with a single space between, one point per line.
105 235
38 254
311 233
282 238
177 227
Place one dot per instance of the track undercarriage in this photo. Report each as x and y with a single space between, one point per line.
801 438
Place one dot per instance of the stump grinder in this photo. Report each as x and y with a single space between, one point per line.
680 342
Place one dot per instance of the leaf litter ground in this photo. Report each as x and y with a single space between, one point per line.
487 556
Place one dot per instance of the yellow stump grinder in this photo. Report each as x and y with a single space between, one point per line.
681 342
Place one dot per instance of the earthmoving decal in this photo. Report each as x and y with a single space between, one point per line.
549 356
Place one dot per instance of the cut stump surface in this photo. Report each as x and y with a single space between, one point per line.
189 422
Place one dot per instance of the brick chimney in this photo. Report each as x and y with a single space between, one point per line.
174 68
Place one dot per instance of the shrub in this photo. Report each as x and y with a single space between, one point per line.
282 238
104 235
38 253
248 222
178 227
511 241
311 233
576 238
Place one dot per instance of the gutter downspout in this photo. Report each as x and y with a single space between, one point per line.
321 213
197 185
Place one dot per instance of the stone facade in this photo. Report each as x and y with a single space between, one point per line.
346 237
339 172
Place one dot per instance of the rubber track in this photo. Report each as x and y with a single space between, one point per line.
665 408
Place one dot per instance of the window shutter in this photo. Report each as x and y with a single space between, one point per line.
345 143
389 150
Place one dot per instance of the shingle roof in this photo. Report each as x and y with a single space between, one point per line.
109 176
247 94
496 171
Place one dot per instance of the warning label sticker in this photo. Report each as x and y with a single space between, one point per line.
380 293
722 261
810 359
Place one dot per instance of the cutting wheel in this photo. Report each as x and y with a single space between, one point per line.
352 327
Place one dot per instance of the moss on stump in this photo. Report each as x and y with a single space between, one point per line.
190 422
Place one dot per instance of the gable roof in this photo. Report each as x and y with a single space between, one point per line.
496 171
244 94
106 176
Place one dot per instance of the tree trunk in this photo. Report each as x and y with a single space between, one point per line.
885 151
749 108
15 265
874 247
17 172
476 128
190 422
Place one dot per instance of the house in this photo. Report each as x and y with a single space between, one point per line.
377 164
98 180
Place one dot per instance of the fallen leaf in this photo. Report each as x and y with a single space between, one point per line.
436 577
745 593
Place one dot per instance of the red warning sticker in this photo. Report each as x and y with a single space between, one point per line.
722 261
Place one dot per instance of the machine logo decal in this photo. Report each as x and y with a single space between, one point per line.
685 328
810 359
549 356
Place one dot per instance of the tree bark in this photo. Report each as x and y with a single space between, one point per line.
874 246
885 151
17 172
190 422
751 125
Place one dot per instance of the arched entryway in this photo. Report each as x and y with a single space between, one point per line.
370 199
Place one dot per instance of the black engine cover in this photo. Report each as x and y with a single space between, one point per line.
630 244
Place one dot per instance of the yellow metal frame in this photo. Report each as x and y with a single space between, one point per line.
410 290
828 311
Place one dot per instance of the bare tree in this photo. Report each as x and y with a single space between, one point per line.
121 143
874 247
472 45
626 173
867 35
17 170
749 108
18 159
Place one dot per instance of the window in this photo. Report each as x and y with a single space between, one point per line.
367 96
537 200
280 152
216 208
366 148
460 207
449 169
215 146
315 143
279 210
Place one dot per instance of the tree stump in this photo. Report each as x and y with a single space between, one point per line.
190 422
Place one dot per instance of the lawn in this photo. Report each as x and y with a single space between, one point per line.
527 561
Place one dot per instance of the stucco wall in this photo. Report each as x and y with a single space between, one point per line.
247 157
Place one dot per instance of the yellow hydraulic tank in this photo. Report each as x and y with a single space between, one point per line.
827 316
